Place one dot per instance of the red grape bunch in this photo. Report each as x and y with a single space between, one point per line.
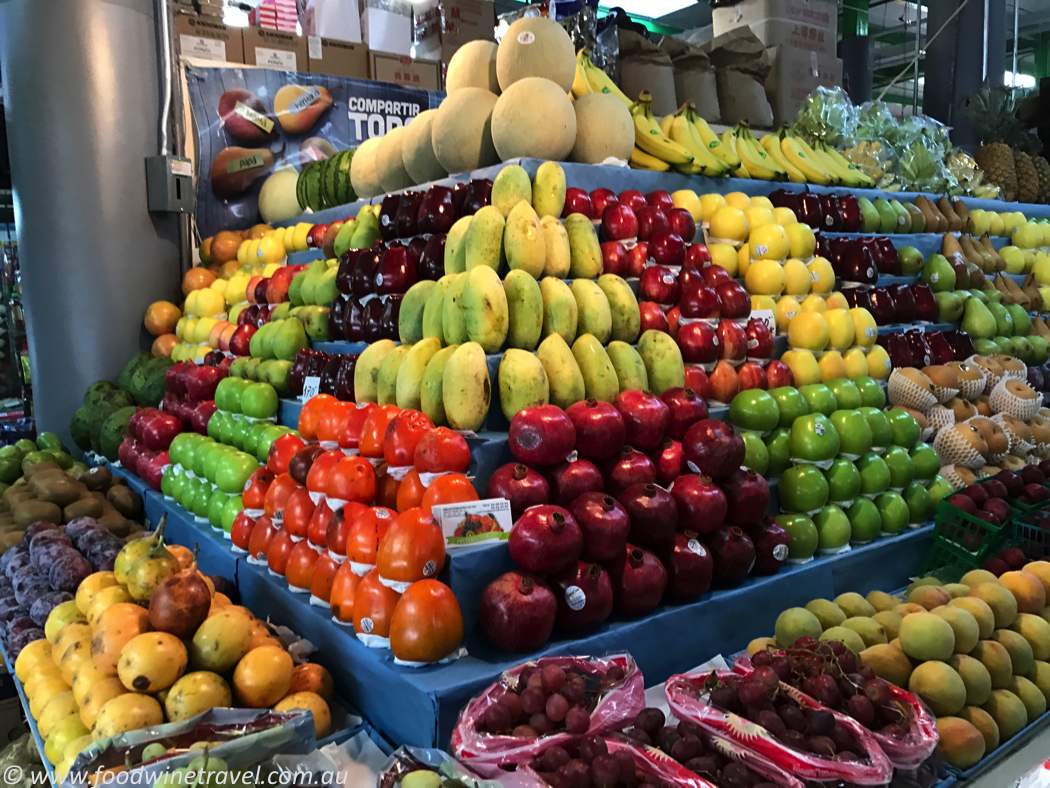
589 763
685 743
547 700
837 679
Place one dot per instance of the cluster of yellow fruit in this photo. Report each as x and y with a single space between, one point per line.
843 340
975 652
110 665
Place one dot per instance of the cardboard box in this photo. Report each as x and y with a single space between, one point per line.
338 58
795 74
275 49
387 29
784 32
406 71
208 38
466 20
815 13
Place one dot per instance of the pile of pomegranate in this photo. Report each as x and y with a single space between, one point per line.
760 699
835 678
619 506
547 700
685 742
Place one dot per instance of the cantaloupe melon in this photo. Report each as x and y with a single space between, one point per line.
277 199
536 47
603 129
462 130
390 166
473 66
417 149
534 117
363 169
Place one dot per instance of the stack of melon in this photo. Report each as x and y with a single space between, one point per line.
114 662
504 101
977 652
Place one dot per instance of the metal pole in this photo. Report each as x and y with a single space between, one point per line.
160 9
918 49
984 53
1013 78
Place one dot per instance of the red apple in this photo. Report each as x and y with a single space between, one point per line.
732 340
315 238
779 374
202 384
699 343
600 198
652 317
202 415
659 284
751 376
155 469
759 340
240 340
614 258
277 285
578 201
681 223
252 289
636 258
632 198
733 299
964 502
673 316
660 199
715 275
159 430
698 256
697 380
667 249
724 382
697 299
619 222
650 222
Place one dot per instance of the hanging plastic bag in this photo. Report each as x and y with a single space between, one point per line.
826 114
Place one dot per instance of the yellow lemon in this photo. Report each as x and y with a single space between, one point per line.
856 363
803 241
803 366
765 277
784 216
814 303
725 256
821 275
738 200
797 277
787 308
878 363
709 203
729 224
865 332
832 367
768 242
808 331
835 301
759 217
687 199
840 327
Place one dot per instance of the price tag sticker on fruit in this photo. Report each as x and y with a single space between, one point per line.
767 317
311 388
304 101
245 163
471 522
252 116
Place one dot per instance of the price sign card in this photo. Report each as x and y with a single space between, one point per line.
474 521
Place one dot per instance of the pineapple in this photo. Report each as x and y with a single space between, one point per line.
1027 178
991 111
1042 167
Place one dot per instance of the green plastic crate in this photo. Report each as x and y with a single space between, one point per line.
1033 541
963 541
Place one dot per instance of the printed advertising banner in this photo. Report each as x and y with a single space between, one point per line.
251 122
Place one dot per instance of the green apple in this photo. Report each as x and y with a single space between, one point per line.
167 481
190 443
926 461
239 431
266 439
200 455
226 429
802 488
251 438
905 428
211 462
201 501
215 506
902 469
252 367
819 398
259 401
919 504
215 424
754 410
843 480
232 508
180 442
881 430
833 528
938 488
814 438
756 455
790 403
864 519
872 395
189 492
228 394
237 368
233 471
874 474
802 535
178 485
847 395
894 512
854 432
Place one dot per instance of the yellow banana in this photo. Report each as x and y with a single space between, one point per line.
640 160
599 81
580 85
825 163
809 166
649 137
771 145
679 132
713 143
862 179
728 139
760 165
714 165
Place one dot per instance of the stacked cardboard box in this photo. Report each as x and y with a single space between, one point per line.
207 38
275 49
801 36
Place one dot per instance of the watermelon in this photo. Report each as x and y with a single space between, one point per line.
346 190
308 187
322 195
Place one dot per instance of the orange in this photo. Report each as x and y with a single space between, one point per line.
161 318
309 677
263 677
259 230
164 344
197 279
223 248
313 703
205 250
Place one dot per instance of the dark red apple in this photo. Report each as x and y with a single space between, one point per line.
964 502
660 199
697 256
667 249
637 256
652 316
619 222
659 284
614 258
650 222
732 340
733 299
759 340
714 275
681 223
600 198
750 375
699 343
632 198
578 201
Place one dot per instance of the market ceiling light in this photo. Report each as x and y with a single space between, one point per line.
648 9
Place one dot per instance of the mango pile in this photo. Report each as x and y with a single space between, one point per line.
975 652
151 642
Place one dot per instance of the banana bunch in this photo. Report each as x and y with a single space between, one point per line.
683 127
819 163
659 146
591 79
755 160
653 149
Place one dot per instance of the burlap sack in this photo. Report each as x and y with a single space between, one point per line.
741 67
644 67
694 77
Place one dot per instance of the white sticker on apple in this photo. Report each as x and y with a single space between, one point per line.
818 428
780 552
574 596
695 546
829 221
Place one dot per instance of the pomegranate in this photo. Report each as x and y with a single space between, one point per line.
645 417
747 496
689 567
604 523
686 408
701 503
629 468
638 581
734 554
600 429
301 462
771 546
584 595
569 480
541 435
517 612
714 447
545 539
669 461
520 485
654 516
